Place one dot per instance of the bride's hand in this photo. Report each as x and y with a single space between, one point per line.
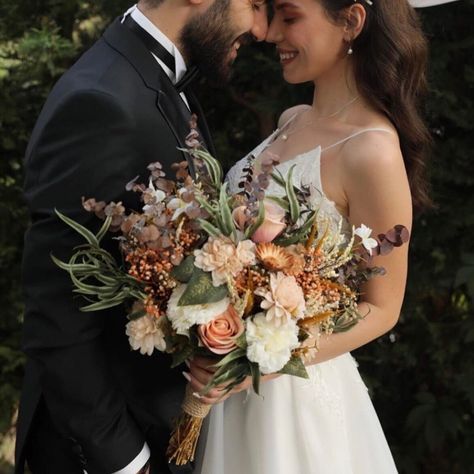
200 374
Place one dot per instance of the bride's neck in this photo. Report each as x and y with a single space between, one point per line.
333 90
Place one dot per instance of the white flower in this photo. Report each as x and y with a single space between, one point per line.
182 318
364 233
155 195
178 205
270 346
146 334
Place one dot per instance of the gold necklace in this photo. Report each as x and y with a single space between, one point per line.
284 136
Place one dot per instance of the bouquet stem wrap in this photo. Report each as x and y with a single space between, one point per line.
184 438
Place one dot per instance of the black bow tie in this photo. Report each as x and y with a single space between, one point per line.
162 53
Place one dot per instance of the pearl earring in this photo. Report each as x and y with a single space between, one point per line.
350 51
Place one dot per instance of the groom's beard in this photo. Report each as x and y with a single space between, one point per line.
208 42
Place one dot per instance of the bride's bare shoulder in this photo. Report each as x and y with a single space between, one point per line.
288 113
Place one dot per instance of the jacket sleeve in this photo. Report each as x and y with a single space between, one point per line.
82 146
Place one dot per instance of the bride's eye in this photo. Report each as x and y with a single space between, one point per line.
289 21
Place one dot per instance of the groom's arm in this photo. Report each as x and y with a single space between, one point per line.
86 146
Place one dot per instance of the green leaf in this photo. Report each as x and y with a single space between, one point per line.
204 203
180 356
255 371
86 233
298 235
225 212
278 178
234 355
214 168
296 368
184 271
258 222
104 229
235 371
241 341
200 290
209 228
283 203
291 194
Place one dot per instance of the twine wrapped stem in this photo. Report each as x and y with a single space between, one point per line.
183 441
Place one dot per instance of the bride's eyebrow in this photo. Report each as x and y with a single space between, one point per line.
285 5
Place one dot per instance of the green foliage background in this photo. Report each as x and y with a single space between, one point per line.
421 375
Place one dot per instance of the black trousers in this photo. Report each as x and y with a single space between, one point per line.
48 452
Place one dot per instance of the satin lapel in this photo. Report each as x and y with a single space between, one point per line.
168 101
120 38
176 113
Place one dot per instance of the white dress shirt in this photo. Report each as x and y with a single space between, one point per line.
153 30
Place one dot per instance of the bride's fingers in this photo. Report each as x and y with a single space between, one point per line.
212 397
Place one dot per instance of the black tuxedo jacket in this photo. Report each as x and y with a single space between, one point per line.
107 118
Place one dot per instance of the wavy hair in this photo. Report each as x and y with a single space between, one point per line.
390 59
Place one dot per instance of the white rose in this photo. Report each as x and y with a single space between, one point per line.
270 346
182 318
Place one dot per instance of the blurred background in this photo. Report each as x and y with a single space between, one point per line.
421 375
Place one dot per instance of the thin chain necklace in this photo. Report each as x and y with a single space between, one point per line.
284 136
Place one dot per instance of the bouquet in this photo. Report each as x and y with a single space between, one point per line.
249 279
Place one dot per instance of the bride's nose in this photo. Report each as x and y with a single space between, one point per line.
274 33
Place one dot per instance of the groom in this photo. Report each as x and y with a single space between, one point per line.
90 404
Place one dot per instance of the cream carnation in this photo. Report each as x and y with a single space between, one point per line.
246 250
285 299
146 334
184 317
220 256
270 346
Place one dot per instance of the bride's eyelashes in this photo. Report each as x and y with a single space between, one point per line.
289 21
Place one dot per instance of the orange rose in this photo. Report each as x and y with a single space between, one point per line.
272 225
220 334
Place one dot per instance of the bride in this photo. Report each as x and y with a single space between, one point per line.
362 145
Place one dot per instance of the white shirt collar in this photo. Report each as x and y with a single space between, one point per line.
152 29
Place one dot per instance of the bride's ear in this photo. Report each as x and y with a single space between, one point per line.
355 17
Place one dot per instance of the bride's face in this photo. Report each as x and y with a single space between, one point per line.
309 43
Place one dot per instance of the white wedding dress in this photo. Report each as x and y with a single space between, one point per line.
322 425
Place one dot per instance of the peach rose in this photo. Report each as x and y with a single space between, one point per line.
273 224
220 334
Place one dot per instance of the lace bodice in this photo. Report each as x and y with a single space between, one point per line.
307 172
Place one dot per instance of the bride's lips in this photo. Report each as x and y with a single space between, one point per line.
286 56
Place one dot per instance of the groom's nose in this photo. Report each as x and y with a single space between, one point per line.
260 24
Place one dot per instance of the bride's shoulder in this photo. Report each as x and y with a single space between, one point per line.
292 111
374 151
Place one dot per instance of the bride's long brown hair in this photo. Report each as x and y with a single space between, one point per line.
390 58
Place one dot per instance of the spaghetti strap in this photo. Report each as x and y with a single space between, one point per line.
360 132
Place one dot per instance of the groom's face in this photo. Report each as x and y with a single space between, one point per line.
211 40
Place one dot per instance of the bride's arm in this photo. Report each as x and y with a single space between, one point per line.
378 195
